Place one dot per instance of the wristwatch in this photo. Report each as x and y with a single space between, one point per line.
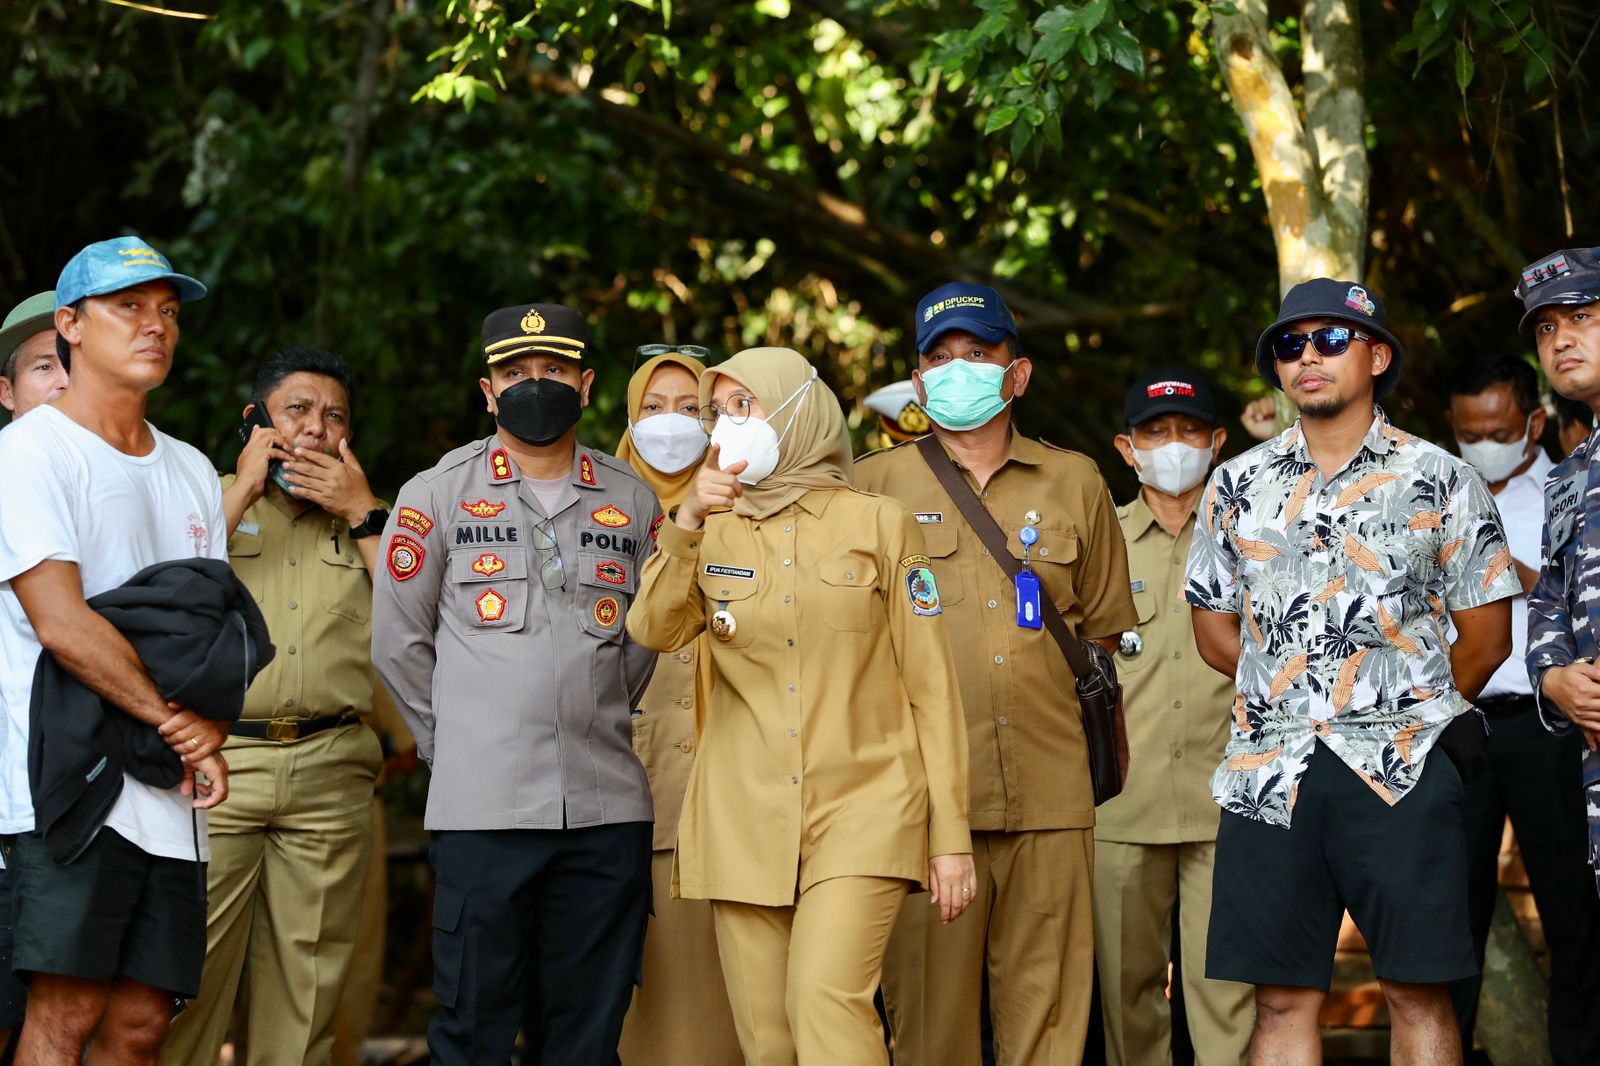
371 525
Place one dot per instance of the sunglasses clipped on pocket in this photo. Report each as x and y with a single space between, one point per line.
1328 341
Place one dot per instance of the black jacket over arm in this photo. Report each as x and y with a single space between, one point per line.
202 639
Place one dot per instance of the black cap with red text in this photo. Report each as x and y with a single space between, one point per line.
1166 390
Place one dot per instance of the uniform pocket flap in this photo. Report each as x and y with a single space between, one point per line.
1145 603
448 904
940 538
502 564
851 572
244 545
340 550
607 570
1052 547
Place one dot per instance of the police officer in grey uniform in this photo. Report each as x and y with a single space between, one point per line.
498 625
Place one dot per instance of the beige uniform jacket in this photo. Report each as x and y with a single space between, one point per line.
308 577
1030 765
832 741
664 736
519 697
1178 708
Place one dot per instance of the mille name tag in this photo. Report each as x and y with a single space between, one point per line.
1029 615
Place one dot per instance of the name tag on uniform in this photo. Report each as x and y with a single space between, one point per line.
929 518
1136 586
1029 612
718 570
249 529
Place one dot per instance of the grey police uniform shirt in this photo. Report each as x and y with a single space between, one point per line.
520 697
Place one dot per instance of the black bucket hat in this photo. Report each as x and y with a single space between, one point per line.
1344 301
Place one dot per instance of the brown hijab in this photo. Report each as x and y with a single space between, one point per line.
814 442
670 489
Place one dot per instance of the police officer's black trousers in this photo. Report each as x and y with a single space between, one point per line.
565 908
1535 778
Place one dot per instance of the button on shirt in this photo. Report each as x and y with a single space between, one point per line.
663 736
519 696
1030 765
1521 505
832 742
324 661
1342 586
1177 707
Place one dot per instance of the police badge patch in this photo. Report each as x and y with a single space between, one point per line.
405 557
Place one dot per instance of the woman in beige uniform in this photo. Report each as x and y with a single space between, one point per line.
831 776
680 1014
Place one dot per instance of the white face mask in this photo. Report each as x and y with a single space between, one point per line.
1172 469
754 440
670 442
1496 461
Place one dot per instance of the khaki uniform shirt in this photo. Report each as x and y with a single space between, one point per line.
308 577
1178 708
1030 767
664 734
519 697
832 741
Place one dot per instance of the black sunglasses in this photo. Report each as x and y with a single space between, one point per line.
650 351
1329 340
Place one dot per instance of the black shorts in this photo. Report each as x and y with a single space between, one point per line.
1278 895
114 911
13 993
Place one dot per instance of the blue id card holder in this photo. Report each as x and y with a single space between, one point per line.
1029 615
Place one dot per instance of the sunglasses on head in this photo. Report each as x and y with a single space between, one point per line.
650 351
1329 340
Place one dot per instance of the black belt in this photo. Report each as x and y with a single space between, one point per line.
1506 704
289 730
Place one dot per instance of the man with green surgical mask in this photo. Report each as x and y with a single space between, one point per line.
1032 804
1155 844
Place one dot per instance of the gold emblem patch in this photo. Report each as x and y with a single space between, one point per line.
610 517
491 606
483 508
488 564
532 322
606 611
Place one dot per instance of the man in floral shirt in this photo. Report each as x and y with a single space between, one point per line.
1331 563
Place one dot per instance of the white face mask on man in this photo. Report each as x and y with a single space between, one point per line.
1174 468
1496 461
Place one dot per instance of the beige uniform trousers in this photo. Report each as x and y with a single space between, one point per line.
1033 923
680 1015
289 854
359 1003
1135 887
801 978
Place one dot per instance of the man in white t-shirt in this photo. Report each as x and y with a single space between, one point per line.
94 494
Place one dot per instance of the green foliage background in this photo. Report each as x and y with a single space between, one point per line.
784 171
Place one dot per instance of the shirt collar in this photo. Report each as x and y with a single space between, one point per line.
1019 449
816 501
500 469
1381 438
1141 519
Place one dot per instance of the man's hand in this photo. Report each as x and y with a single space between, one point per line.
265 445
1260 417
715 489
1575 690
192 736
952 882
213 789
338 486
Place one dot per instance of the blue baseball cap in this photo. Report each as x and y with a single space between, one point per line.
974 309
117 264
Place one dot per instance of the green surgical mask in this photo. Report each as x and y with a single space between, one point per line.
964 394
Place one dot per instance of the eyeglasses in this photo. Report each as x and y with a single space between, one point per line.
1328 341
551 570
737 411
650 351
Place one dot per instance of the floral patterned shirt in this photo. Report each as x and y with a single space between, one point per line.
1342 586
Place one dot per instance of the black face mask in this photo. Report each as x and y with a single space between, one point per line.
538 412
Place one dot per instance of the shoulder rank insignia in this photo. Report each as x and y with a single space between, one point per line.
488 564
610 517
491 606
405 557
606 611
611 572
499 465
412 519
483 508
586 470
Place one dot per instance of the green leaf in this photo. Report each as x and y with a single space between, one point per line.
256 51
1442 7
1021 134
1535 72
1122 48
1464 65
1033 115
1000 118
1224 7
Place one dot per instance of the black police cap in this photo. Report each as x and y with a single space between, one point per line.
544 329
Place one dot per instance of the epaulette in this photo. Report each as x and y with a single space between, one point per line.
454 458
886 451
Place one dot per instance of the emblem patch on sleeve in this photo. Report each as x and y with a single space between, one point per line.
610 517
611 572
491 606
924 591
483 508
607 611
488 564
405 557
414 520
655 527
915 560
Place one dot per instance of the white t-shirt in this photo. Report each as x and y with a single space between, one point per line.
67 495
1521 503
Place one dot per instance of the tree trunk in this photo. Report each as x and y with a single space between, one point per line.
1313 170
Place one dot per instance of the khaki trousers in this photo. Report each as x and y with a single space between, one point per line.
680 1015
1135 887
359 1002
801 978
289 854
1032 922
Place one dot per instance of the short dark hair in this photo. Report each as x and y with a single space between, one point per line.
1479 375
1570 411
299 359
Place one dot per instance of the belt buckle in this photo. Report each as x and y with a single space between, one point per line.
284 730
